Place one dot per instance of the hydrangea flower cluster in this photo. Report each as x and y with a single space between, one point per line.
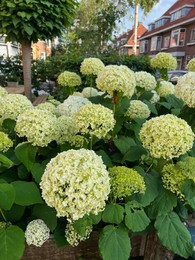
71 105
12 105
164 60
73 238
185 89
3 92
47 106
5 142
191 65
165 88
188 165
38 126
37 233
91 66
94 119
75 183
69 79
125 181
166 136
115 78
145 80
155 98
137 109
89 92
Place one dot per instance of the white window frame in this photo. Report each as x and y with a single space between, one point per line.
178 33
192 35
154 41
142 46
166 40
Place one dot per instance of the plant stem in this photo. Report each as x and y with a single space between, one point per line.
91 142
1 211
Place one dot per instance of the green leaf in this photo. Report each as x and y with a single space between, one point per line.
22 172
124 143
113 213
165 104
174 101
114 243
174 235
188 189
47 214
27 193
164 203
5 163
106 159
26 153
15 213
9 125
7 196
59 236
82 224
12 243
134 153
135 219
95 218
37 171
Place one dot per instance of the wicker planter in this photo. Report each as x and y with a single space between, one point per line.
147 246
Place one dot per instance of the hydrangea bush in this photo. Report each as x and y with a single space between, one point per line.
120 164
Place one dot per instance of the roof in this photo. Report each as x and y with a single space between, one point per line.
171 24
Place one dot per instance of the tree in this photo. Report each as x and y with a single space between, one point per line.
27 21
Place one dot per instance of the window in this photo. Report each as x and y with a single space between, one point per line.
180 13
156 43
177 38
166 41
143 46
2 39
192 35
151 26
161 22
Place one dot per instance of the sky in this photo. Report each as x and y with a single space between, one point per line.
157 11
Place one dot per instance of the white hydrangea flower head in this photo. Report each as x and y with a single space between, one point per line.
185 89
191 65
167 136
91 66
3 92
38 126
155 98
145 80
89 92
165 88
71 105
114 78
48 106
73 238
5 142
164 60
76 183
37 233
69 79
12 105
94 119
137 109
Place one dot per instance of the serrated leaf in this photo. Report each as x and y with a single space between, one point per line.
81 225
113 213
95 218
47 214
124 143
174 235
7 196
12 243
27 193
134 153
188 189
174 101
164 203
26 153
114 243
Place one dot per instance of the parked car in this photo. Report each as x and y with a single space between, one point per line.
175 74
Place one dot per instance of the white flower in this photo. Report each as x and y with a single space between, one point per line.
89 92
69 79
145 80
73 237
37 233
91 66
3 92
137 109
165 88
164 60
155 98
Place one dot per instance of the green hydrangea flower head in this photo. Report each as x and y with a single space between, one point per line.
3 92
48 106
114 78
185 89
5 142
76 183
188 166
89 92
94 119
91 66
191 65
125 181
137 109
69 79
73 237
164 60
165 88
145 80
166 136
12 105
38 126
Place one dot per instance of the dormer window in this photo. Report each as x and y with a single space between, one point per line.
151 26
180 13
162 21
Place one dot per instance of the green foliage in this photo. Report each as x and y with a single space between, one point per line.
113 213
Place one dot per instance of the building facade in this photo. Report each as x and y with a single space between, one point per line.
124 43
8 49
173 32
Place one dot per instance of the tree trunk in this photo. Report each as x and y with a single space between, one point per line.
135 29
26 59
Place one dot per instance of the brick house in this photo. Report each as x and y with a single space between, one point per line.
124 43
41 50
173 32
